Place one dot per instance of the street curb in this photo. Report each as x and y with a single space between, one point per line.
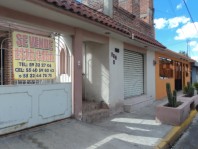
175 132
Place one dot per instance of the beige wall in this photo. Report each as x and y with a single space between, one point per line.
96 72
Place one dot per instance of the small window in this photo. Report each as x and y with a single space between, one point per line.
165 67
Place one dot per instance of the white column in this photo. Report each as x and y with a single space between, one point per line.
150 75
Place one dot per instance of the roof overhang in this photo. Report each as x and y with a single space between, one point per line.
58 14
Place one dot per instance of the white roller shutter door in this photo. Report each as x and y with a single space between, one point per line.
133 74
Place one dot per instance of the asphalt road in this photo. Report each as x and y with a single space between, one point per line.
189 140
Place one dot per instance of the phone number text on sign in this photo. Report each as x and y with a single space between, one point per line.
33 57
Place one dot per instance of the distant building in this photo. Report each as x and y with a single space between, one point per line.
194 73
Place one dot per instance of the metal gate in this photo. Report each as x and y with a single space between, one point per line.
27 103
30 105
133 74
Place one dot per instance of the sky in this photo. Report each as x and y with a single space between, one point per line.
174 27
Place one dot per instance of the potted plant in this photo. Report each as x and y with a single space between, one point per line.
189 90
174 112
188 94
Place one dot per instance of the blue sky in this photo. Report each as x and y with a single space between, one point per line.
174 26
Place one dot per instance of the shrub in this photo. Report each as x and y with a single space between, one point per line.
196 86
172 98
188 90
185 90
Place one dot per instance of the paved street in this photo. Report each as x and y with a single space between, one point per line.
137 130
189 138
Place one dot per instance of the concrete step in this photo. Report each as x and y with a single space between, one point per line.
90 106
136 103
95 115
93 105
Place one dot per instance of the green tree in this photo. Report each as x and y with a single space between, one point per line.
184 53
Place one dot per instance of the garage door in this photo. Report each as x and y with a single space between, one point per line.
133 74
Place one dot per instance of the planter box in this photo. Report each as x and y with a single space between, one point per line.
173 116
193 99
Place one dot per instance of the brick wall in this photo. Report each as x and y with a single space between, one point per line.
95 4
128 19
147 29
146 11
126 5
128 12
131 6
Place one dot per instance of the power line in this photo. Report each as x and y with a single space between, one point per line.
190 15
171 5
187 41
170 45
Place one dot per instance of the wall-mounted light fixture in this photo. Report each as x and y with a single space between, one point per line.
154 62
107 33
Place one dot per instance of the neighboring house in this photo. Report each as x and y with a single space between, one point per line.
194 73
122 69
57 53
173 68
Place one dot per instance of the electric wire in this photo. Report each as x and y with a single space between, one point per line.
191 52
190 15
187 40
171 5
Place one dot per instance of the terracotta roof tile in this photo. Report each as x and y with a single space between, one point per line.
92 14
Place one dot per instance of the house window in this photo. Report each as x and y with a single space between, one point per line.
165 67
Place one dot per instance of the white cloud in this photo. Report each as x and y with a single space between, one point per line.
179 6
193 43
187 31
195 58
195 48
174 22
160 23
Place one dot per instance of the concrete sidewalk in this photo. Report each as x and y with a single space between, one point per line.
137 130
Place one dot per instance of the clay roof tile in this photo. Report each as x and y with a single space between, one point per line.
94 15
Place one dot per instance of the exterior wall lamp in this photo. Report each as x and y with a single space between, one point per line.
154 62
